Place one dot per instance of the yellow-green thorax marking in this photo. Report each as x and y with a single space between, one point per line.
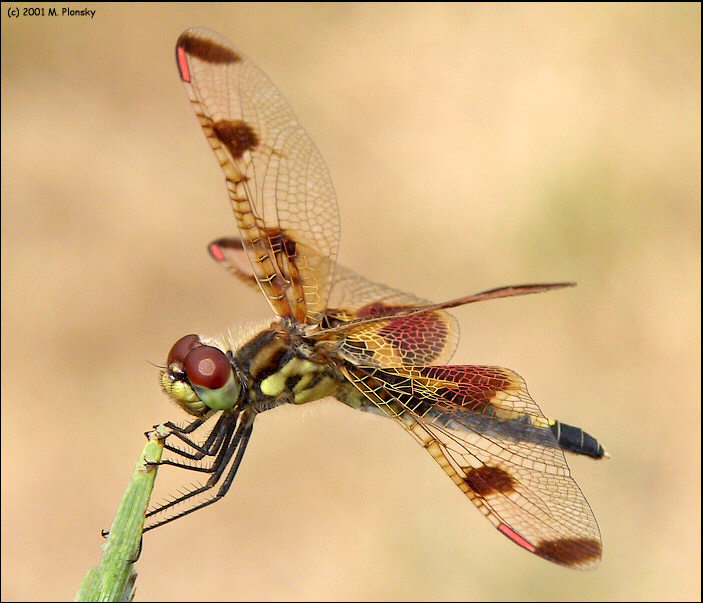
280 369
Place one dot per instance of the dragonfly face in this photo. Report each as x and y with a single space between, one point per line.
371 347
199 377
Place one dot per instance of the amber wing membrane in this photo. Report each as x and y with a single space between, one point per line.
478 423
279 186
403 339
482 427
400 330
421 339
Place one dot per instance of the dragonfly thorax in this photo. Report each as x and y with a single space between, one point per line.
276 366
281 366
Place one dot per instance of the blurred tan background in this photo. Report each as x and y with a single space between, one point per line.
471 146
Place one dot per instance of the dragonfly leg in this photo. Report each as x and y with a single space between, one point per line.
233 445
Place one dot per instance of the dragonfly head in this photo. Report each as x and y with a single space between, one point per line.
200 378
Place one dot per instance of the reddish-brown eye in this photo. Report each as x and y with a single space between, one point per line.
207 367
180 349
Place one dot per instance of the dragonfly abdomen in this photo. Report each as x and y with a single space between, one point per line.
576 440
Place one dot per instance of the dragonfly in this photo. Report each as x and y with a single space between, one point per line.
337 334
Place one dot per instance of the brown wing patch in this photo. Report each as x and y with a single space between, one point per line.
237 136
498 449
570 551
278 184
281 242
206 49
488 480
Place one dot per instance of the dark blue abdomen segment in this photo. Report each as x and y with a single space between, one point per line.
576 440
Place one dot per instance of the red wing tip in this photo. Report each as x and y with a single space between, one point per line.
575 553
516 538
182 62
205 45
216 251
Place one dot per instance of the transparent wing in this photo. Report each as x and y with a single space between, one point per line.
279 186
420 339
393 333
485 431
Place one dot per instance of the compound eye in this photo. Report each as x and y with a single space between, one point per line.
205 366
200 378
179 351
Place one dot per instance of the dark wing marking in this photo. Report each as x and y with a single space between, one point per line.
485 431
422 339
279 186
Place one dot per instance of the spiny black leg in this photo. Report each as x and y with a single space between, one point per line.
225 429
178 431
235 465
234 440
209 484
222 491
209 447
190 428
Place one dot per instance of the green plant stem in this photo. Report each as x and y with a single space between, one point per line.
113 579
